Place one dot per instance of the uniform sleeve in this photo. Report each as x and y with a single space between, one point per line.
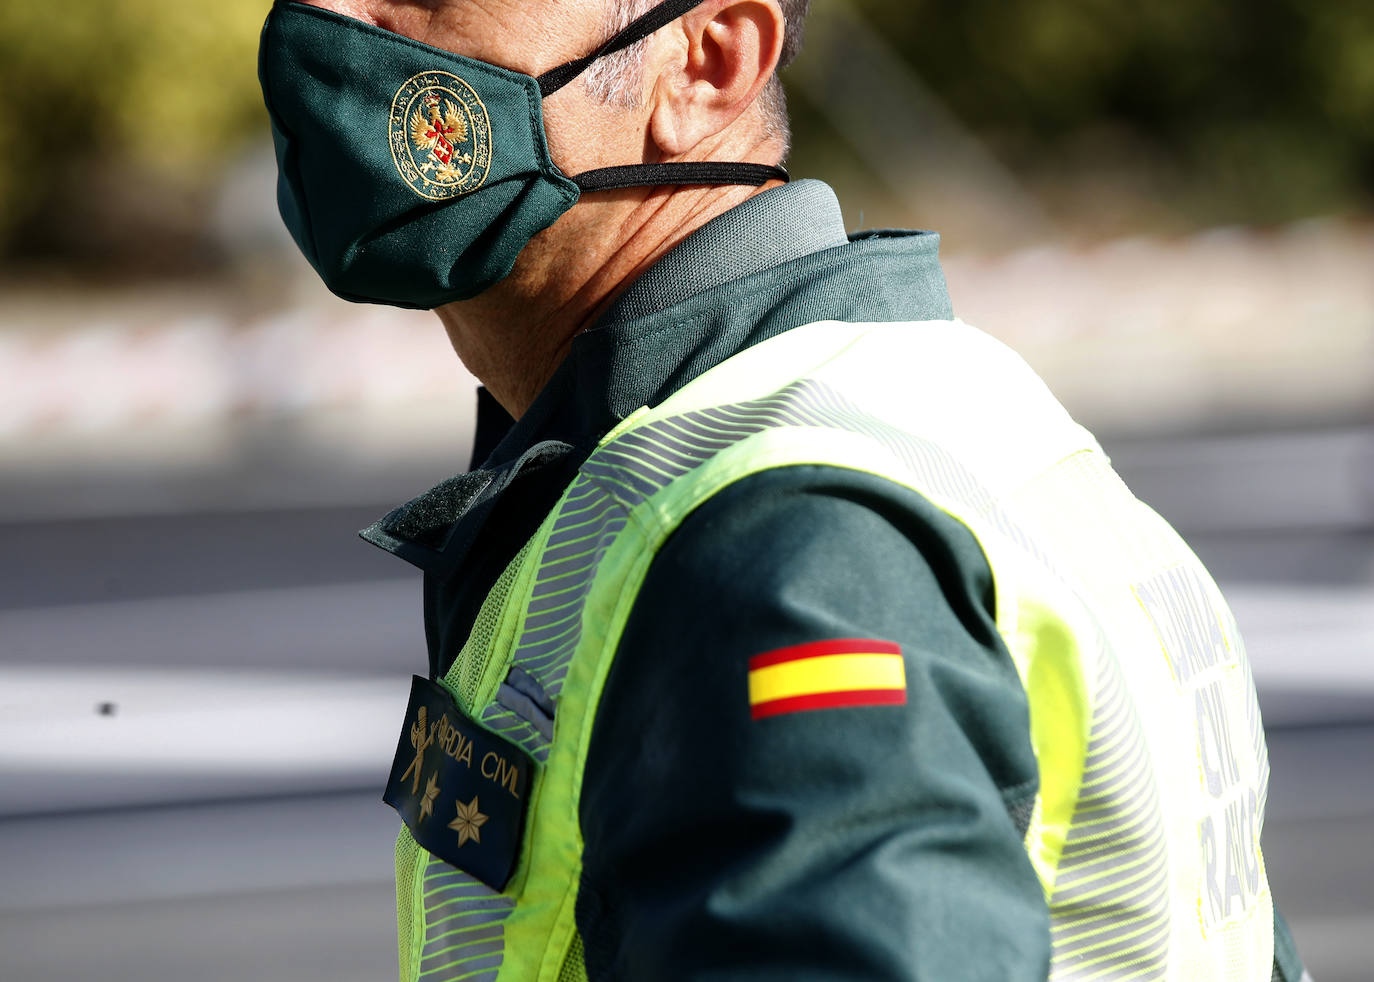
865 842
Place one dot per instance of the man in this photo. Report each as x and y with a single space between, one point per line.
785 628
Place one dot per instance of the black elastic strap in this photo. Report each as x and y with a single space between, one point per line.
639 28
648 175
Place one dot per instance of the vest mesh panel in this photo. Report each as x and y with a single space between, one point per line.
407 856
574 967
460 917
466 674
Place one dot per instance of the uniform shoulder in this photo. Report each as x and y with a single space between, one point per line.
710 806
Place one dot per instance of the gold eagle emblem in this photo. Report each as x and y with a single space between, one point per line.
440 136
429 133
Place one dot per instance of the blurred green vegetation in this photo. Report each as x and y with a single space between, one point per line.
119 117
1240 110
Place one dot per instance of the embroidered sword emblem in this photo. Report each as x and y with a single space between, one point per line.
421 736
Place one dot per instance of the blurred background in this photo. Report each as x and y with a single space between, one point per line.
1168 209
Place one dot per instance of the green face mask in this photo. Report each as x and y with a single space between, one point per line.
412 176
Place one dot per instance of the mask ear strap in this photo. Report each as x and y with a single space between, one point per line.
639 28
646 175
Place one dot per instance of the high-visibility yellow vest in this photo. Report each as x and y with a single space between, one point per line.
1145 833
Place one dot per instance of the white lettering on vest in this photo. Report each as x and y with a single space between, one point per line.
1202 649
1189 630
1215 749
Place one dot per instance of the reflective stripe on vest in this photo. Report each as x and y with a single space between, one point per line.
1145 832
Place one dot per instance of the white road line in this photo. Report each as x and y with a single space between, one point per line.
178 735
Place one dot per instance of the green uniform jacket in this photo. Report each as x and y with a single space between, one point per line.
848 843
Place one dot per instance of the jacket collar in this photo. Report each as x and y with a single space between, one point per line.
612 369
710 297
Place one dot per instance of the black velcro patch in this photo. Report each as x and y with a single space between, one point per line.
460 789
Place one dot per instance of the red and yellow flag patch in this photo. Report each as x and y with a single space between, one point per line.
826 674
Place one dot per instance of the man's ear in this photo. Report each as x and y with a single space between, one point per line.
714 71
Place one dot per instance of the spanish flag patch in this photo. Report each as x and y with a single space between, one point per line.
826 675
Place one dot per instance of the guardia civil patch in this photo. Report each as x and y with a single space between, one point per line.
461 790
440 136
826 675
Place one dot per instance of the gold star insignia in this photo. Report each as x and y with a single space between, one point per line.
431 792
468 822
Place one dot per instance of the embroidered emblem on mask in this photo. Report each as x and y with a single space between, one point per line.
440 136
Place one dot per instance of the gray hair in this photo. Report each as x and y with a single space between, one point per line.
618 79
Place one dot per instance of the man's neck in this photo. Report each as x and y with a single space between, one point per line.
514 336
